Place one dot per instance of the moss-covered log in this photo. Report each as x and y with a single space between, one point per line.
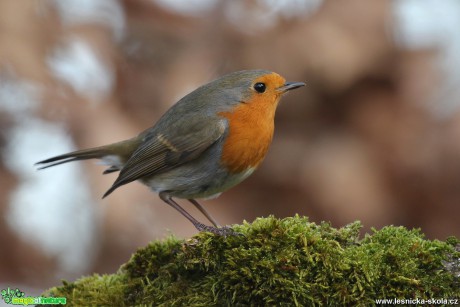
279 262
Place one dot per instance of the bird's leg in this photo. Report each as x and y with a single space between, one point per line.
205 213
224 231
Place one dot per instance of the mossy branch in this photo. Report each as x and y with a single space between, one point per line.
288 262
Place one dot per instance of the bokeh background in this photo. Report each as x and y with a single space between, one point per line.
375 135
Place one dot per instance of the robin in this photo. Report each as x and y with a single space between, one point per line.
209 141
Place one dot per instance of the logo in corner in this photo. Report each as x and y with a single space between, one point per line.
8 295
16 297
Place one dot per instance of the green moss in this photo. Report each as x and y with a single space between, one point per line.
278 262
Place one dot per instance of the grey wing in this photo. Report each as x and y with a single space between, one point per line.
176 144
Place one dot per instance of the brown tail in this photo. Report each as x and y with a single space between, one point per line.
91 153
123 150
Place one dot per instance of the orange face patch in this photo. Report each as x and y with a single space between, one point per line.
251 125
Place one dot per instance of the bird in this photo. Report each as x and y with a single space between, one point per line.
209 141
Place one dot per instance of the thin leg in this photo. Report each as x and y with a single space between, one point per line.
201 227
205 213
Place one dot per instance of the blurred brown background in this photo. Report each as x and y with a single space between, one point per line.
373 137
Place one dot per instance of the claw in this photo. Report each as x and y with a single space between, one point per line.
221 231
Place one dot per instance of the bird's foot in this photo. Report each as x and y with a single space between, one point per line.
221 231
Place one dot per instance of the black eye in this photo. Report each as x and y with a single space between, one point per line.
259 87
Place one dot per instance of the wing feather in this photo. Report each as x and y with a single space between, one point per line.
169 148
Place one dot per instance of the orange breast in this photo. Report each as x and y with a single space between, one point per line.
251 128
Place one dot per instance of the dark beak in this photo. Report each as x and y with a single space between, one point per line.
290 86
